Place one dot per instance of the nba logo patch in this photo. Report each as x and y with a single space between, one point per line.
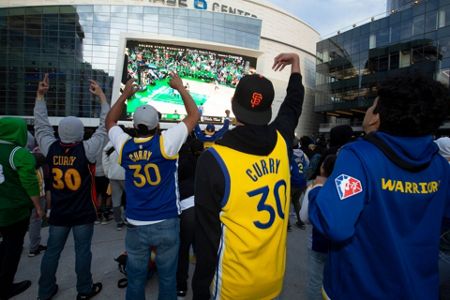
347 186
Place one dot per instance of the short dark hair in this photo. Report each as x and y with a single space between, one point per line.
328 164
142 130
412 105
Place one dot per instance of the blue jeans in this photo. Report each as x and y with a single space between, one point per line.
316 264
82 234
165 236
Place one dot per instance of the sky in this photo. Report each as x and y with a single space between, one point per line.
328 16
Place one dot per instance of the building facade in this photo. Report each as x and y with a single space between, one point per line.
351 64
75 41
394 5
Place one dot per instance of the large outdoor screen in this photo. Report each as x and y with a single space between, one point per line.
209 76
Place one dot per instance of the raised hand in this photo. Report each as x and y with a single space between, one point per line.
286 59
95 89
43 87
130 89
175 81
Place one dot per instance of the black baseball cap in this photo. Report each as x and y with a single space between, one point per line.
252 100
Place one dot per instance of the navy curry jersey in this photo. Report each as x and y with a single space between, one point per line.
72 189
150 180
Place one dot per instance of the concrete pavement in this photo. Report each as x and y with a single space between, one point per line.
108 243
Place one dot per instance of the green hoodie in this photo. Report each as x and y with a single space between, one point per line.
18 180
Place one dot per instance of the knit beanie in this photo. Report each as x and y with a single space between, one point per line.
71 130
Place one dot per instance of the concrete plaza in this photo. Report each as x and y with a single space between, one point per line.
108 243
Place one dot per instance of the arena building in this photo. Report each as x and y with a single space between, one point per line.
212 42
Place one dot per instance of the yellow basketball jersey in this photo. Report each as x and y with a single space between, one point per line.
254 217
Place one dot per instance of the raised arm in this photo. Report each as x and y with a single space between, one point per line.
95 144
191 108
226 125
43 131
291 109
199 133
116 111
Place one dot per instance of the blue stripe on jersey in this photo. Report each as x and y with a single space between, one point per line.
225 174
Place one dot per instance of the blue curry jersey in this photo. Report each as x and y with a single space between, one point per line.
150 180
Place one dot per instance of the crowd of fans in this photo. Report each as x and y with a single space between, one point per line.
378 201
147 65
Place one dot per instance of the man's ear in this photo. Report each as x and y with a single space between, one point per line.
374 121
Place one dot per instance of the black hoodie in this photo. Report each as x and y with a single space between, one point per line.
210 181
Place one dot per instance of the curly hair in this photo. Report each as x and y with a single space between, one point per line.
412 105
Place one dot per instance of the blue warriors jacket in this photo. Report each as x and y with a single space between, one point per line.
382 209
150 180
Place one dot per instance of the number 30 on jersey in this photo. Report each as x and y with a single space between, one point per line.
266 193
69 178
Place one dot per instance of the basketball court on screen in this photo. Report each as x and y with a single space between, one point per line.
213 98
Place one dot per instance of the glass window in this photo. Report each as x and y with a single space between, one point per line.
84 8
166 31
165 11
119 17
395 32
418 25
121 26
431 21
178 27
406 30
180 33
96 29
195 29
181 21
133 27
136 9
33 10
134 21
151 10
383 37
101 8
180 12
102 42
149 25
372 41
119 8
444 16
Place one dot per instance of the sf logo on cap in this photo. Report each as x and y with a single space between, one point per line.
256 99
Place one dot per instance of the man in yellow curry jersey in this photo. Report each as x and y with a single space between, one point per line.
242 193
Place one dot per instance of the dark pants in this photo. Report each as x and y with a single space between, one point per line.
103 199
10 251
295 198
187 229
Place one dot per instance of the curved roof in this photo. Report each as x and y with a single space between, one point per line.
272 6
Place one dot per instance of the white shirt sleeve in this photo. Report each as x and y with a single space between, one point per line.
305 205
174 138
118 138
